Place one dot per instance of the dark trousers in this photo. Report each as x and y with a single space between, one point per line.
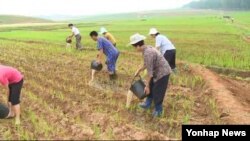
15 92
170 56
78 42
157 93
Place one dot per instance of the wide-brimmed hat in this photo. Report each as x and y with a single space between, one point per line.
103 30
153 31
136 38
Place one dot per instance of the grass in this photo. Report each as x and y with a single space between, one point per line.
204 39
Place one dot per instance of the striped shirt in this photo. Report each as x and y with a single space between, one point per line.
108 48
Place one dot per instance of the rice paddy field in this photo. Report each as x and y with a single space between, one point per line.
58 103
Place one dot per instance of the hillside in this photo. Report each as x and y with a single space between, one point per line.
220 4
11 19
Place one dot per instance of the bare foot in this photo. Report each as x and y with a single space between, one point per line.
10 115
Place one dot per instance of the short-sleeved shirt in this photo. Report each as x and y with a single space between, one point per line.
75 31
155 63
108 48
110 37
164 43
9 75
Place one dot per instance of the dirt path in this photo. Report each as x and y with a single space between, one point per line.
233 100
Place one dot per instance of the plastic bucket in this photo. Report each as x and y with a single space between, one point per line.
96 66
137 87
68 40
4 111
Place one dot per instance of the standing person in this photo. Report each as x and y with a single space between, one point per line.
158 72
105 47
165 46
13 79
76 33
108 36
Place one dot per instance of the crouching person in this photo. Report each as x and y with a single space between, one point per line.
13 79
158 72
105 47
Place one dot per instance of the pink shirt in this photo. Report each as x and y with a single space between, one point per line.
9 75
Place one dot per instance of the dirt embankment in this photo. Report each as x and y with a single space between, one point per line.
232 96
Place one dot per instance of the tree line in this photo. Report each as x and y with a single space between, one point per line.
220 4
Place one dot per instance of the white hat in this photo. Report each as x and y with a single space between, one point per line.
153 31
103 30
136 38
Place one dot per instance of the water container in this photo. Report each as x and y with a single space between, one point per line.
4 111
137 87
68 40
96 66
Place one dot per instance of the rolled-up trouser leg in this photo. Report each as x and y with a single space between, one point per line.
78 42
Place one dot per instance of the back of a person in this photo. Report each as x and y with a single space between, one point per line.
10 74
165 43
110 37
75 30
108 47
161 66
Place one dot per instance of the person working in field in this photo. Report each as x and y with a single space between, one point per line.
76 33
13 79
107 48
165 46
108 36
158 72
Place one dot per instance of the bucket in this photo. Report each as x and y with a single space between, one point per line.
68 40
96 66
4 111
137 87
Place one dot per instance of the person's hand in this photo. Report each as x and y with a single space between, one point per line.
98 61
147 90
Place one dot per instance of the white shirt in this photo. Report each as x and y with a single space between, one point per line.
164 43
75 31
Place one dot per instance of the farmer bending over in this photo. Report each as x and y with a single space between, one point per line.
165 46
76 33
13 79
158 72
105 47
108 36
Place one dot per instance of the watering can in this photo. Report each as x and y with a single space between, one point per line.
137 87
68 40
4 111
96 66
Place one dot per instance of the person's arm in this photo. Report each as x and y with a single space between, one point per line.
107 37
149 65
157 43
72 35
148 80
142 68
100 56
